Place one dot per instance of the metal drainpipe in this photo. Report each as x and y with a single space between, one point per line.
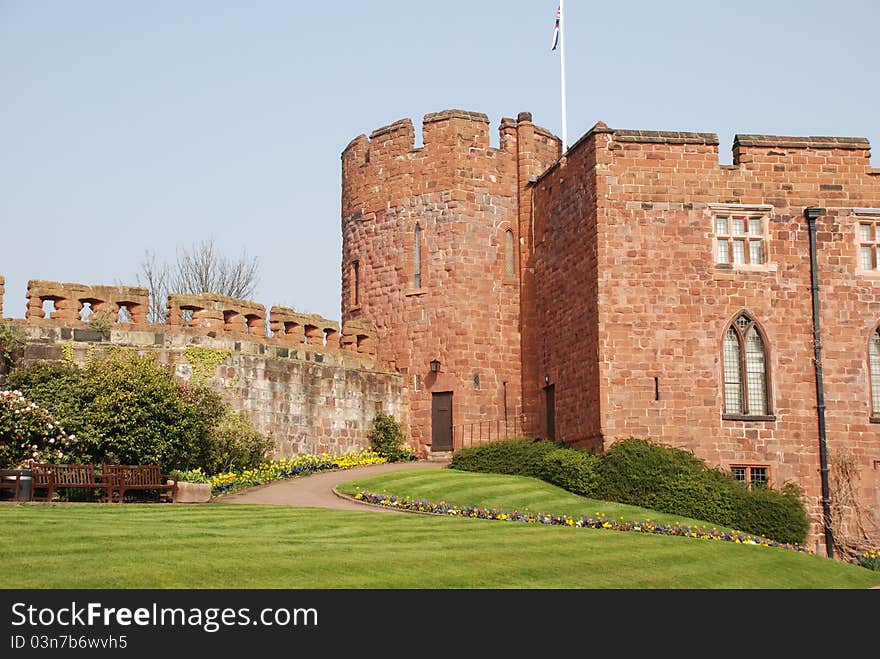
812 214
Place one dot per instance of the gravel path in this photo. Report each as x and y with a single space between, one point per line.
317 490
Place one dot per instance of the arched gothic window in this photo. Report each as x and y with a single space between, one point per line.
746 375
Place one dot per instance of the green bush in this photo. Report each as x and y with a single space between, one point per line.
517 457
636 470
140 414
572 470
779 514
233 445
675 481
388 440
127 409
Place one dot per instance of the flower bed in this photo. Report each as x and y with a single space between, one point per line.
598 522
870 559
290 468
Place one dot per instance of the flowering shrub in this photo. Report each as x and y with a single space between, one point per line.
29 433
289 468
598 522
870 559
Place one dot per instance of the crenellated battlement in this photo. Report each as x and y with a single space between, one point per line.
443 133
69 301
682 167
387 167
757 150
293 327
216 312
851 155
95 313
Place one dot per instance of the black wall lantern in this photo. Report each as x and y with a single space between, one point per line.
435 366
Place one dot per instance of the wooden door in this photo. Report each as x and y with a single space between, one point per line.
441 421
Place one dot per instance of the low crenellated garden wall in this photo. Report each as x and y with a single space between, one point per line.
310 385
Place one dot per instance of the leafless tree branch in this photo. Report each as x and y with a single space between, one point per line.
201 269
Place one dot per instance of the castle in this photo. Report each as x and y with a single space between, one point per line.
632 286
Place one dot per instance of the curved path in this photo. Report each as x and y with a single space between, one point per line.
317 490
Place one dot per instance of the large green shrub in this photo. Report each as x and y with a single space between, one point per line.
518 457
779 514
139 413
572 470
387 438
675 481
129 409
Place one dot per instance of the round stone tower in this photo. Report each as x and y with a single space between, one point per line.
434 243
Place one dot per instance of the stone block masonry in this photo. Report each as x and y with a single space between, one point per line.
626 262
609 318
306 385
431 257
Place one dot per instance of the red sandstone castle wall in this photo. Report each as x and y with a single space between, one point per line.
308 386
464 196
561 303
663 304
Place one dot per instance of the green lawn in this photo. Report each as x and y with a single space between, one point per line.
467 488
244 546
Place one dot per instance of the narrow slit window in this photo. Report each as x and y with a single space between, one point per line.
355 283
417 257
509 256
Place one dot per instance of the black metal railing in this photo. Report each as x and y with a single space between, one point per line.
490 430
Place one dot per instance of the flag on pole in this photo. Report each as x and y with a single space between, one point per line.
556 27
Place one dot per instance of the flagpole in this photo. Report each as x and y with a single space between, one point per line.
562 72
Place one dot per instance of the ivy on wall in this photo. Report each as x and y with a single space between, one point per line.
204 361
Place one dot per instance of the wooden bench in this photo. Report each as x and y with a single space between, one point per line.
138 477
51 477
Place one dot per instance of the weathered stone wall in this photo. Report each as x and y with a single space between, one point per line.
69 300
661 304
463 196
309 387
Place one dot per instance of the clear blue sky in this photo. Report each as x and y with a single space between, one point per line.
132 126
